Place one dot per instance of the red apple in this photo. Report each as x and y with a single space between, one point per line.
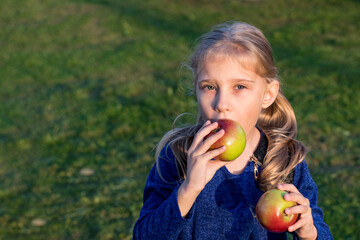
270 211
234 139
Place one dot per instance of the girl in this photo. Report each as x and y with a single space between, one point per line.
188 194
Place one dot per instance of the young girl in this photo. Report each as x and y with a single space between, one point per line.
188 194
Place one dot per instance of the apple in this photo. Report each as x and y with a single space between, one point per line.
234 139
270 211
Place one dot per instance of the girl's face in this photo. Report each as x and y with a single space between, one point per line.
227 90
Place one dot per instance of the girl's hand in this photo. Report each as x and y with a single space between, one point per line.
200 164
304 227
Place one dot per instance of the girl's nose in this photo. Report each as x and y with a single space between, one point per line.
222 102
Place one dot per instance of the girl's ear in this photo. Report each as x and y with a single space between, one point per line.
270 94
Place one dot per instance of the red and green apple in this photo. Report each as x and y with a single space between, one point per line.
234 139
270 211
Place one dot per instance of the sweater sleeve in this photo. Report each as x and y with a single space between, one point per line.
160 216
306 185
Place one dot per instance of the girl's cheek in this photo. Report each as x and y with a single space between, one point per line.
204 96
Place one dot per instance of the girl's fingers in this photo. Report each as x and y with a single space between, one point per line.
208 141
288 187
297 225
304 226
206 128
294 194
298 209
201 142
298 198
214 153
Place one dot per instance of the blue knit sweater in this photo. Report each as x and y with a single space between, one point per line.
225 209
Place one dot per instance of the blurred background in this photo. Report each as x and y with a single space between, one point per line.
88 88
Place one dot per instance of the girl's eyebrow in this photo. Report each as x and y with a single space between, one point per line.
232 80
204 80
242 80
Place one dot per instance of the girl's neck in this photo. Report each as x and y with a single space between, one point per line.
238 165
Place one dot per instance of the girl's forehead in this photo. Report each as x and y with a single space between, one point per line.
243 62
227 70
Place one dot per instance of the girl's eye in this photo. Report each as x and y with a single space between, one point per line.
240 86
208 87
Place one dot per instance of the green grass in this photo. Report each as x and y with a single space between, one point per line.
95 84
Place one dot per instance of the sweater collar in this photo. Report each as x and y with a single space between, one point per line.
261 149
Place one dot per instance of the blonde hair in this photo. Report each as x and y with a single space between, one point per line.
249 46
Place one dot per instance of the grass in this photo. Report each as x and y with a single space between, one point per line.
88 88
